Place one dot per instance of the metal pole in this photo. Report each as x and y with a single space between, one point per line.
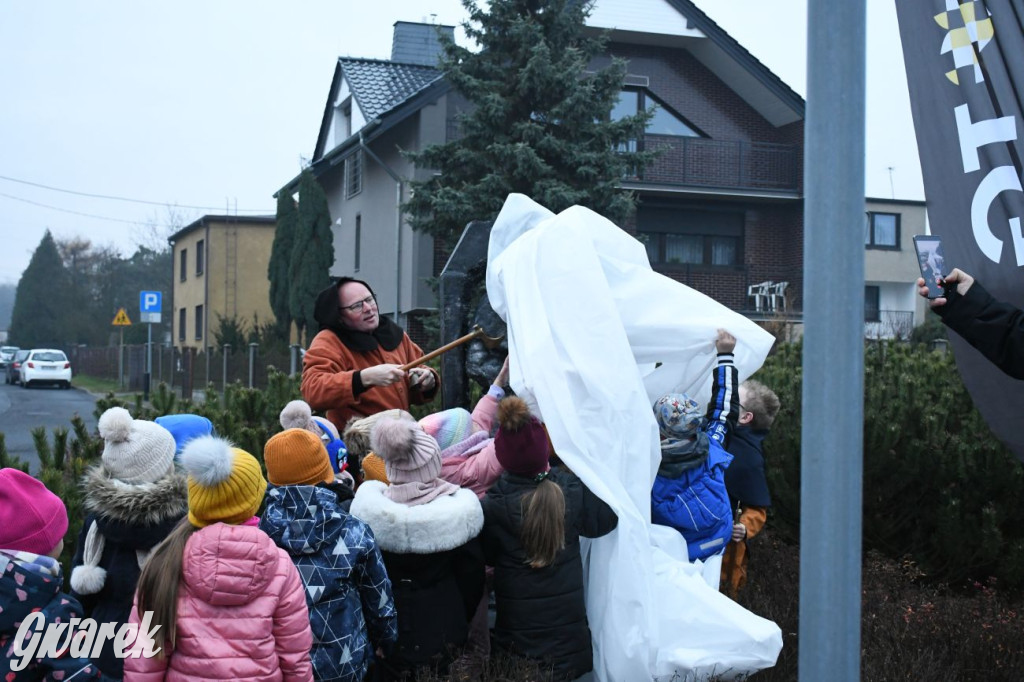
833 361
149 361
209 352
224 381
252 362
120 361
293 359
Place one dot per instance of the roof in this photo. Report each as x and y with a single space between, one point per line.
377 85
244 219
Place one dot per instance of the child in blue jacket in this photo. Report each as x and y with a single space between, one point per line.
689 491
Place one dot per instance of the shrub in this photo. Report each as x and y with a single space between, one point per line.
938 486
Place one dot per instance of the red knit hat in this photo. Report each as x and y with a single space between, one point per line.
521 444
32 519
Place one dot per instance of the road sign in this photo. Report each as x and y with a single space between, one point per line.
149 306
121 319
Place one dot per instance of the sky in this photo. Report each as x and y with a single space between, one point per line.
209 107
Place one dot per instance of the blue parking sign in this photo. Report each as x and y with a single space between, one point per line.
149 306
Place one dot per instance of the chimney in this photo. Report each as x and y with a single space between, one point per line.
417 43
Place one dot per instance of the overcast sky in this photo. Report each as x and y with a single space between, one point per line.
214 104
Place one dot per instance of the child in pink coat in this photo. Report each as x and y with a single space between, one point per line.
230 603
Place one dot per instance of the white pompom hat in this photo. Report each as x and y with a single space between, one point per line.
136 451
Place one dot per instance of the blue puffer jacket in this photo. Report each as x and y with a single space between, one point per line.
351 607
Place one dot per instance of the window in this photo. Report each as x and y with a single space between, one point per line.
678 236
200 255
664 122
182 265
359 235
883 231
199 322
181 324
353 175
871 313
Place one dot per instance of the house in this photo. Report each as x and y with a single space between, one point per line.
892 307
220 271
720 210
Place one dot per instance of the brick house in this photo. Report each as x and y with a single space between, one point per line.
720 210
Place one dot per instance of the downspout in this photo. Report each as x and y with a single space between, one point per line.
399 185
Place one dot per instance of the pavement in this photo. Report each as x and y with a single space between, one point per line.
22 410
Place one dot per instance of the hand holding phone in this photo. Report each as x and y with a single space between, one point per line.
931 260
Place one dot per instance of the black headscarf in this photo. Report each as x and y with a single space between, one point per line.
387 335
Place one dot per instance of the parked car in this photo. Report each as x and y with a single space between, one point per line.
45 366
12 374
6 355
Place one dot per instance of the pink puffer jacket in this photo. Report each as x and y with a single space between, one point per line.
241 613
472 463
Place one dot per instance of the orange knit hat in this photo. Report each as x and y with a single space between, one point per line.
373 469
297 457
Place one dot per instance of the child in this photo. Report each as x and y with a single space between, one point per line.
689 490
133 498
467 449
533 519
33 522
427 530
298 415
229 603
185 427
363 463
352 612
745 479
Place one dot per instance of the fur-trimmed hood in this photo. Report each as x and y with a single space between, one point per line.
440 525
146 504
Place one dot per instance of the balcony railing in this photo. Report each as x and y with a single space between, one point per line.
888 324
725 164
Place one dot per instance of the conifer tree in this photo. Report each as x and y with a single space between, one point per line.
312 254
39 317
280 260
539 124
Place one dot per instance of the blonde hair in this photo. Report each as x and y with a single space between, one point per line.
543 531
762 403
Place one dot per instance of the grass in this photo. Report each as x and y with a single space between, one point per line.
95 384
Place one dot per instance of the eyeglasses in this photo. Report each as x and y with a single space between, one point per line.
358 305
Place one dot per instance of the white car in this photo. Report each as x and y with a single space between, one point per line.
45 366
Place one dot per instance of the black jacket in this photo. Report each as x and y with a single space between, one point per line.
541 611
994 328
745 478
132 518
436 567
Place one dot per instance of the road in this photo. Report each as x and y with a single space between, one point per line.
21 410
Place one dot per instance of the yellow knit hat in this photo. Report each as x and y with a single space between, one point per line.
373 469
225 483
297 457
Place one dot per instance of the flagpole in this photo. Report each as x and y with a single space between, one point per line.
833 359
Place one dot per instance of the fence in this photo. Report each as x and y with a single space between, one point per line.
184 369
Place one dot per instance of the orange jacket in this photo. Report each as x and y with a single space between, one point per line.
328 369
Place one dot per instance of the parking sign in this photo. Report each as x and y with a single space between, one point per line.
150 306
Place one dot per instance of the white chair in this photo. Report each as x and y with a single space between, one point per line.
761 295
777 296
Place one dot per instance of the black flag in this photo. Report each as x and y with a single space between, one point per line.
965 71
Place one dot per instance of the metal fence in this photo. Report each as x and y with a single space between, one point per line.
184 369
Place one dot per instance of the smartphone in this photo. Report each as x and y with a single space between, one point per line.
932 262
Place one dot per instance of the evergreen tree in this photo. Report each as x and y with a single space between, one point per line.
280 260
40 305
540 120
312 254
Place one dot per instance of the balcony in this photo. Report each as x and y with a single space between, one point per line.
722 164
888 324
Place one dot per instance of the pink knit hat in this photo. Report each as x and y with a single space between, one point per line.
448 427
32 519
412 461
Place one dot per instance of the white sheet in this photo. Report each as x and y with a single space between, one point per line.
587 321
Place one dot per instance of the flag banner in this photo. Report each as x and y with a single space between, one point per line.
965 72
